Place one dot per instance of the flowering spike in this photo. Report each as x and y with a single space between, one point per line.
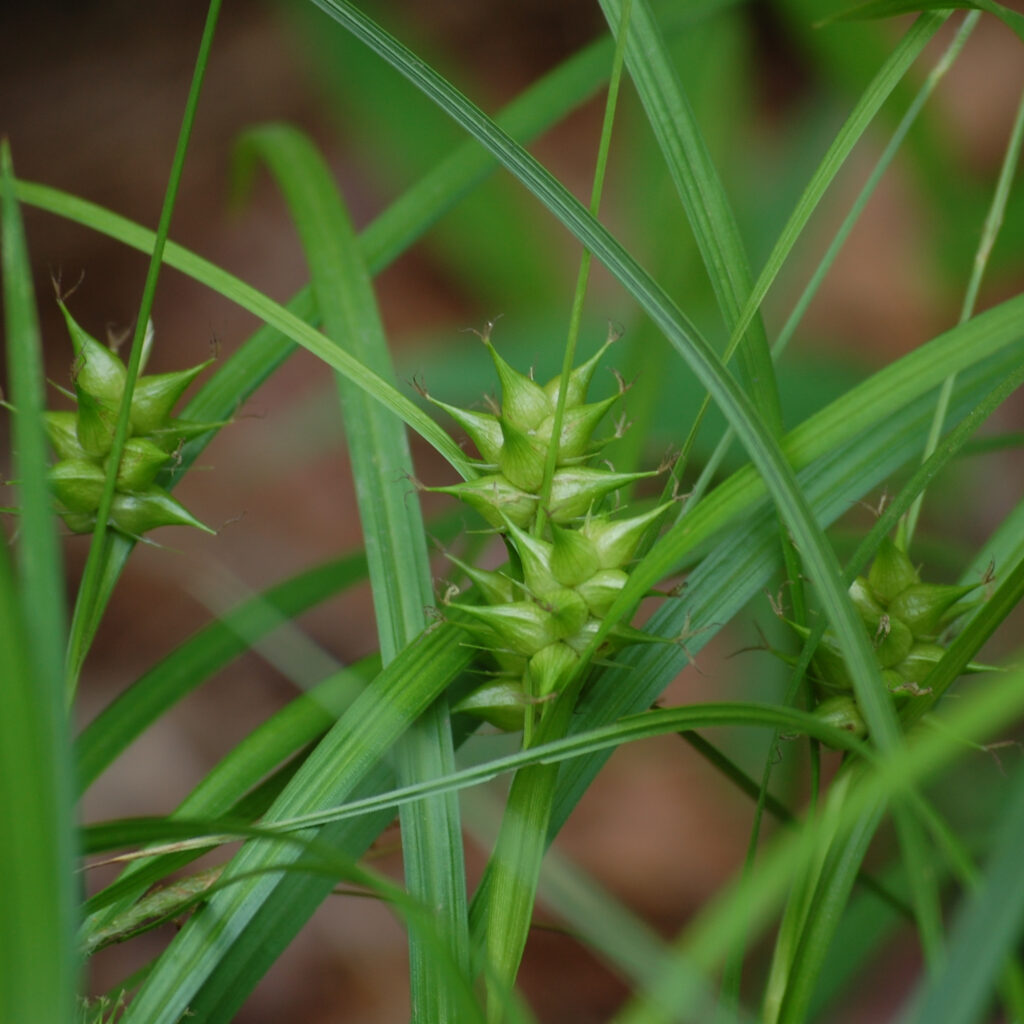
155 396
523 401
891 572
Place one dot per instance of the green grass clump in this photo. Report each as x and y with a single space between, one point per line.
547 643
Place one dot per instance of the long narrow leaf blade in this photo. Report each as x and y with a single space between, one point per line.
38 961
393 535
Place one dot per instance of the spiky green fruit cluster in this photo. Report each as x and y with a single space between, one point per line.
541 611
905 620
82 439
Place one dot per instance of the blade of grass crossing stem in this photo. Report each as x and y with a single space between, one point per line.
986 933
393 534
84 620
703 196
212 958
38 961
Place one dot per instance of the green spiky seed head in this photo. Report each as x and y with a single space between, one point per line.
496 587
579 380
616 540
496 498
864 601
519 626
177 431
482 428
568 610
578 426
919 662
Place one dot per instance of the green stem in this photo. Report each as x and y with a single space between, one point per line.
576 314
82 625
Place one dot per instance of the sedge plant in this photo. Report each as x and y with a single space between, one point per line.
546 646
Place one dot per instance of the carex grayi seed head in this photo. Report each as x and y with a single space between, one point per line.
539 612
82 438
906 621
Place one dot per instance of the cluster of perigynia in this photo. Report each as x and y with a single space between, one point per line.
542 609
82 441
905 620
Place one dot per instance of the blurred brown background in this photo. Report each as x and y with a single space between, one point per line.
91 97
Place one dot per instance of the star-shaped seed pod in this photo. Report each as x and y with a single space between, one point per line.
82 439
